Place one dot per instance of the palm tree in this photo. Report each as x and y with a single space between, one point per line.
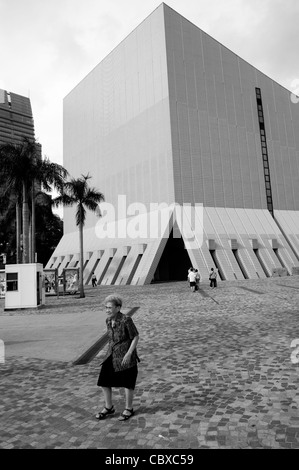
23 170
78 192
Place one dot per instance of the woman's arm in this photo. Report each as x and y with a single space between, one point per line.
128 354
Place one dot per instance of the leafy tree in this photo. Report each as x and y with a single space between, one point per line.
77 191
23 171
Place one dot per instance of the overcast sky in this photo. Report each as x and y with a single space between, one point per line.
48 46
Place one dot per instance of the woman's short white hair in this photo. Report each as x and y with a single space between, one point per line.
114 299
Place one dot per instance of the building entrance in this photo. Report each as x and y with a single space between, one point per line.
174 262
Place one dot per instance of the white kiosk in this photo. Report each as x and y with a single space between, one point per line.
24 286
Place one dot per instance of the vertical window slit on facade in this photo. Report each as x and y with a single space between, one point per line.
105 270
278 257
217 264
256 252
118 269
240 264
260 112
93 269
134 269
85 264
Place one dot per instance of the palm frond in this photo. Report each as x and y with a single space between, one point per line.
51 174
63 199
76 191
94 195
91 205
22 164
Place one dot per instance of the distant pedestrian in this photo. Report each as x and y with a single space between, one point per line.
192 279
94 280
188 280
213 278
197 279
119 368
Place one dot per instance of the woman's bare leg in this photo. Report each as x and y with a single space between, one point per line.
107 396
129 397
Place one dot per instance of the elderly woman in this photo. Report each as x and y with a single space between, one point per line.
119 368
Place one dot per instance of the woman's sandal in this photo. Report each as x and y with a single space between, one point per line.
124 416
105 412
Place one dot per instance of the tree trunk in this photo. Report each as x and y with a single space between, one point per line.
82 295
33 224
25 226
18 233
30 240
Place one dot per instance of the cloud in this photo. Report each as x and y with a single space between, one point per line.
279 42
47 47
263 32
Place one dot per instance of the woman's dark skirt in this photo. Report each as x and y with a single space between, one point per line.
124 378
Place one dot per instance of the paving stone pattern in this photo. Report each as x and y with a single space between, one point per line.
215 372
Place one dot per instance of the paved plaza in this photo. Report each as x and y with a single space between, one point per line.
216 369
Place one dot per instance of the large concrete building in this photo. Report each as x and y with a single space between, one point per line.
173 116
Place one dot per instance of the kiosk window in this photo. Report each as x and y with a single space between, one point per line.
11 281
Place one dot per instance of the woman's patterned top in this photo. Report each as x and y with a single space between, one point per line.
121 331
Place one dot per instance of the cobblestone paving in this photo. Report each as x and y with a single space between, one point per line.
215 372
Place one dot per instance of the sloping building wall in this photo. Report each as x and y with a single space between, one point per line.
240 243
117 125
216 145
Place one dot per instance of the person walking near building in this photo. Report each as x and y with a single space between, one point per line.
94 280
192 279
119 368
213 278
197 279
